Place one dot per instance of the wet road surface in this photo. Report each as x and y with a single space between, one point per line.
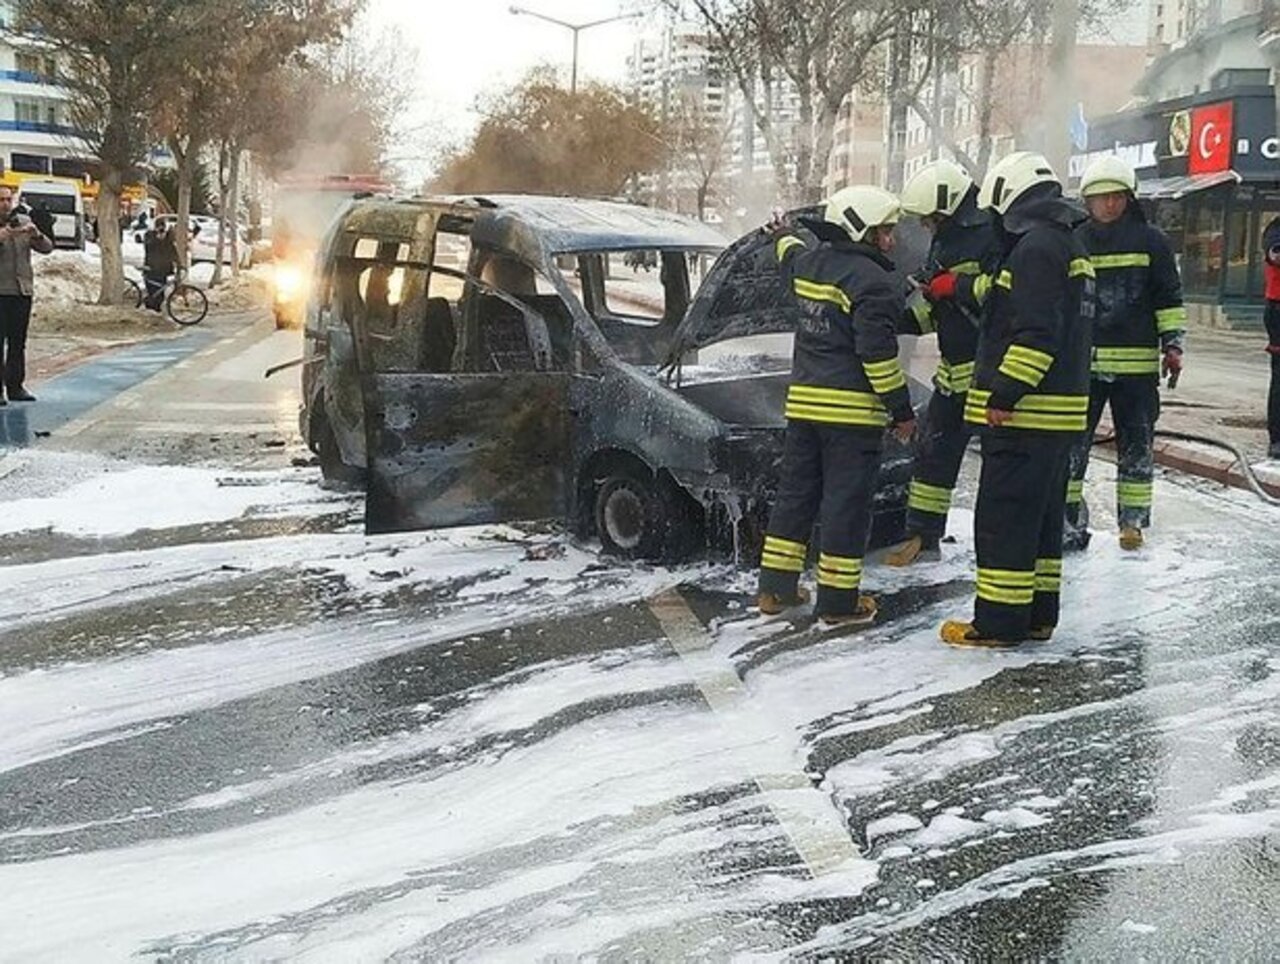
233 727
258 734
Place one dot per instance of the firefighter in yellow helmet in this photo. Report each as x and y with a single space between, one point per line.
1030 400
945 199
846 388
1137 335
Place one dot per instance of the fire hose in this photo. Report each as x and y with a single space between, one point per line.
1246 469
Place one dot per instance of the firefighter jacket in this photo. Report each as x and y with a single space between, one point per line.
1140 312
1037 311
965 244
844 368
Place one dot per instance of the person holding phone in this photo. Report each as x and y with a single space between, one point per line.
19 236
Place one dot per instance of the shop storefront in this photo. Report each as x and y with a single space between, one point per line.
1209 175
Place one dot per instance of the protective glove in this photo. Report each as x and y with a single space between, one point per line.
941 286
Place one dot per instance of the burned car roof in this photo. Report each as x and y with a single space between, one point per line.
532 225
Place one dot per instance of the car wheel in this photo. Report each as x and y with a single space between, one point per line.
325 446
638 517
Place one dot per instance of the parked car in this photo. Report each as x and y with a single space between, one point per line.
65 205
489 359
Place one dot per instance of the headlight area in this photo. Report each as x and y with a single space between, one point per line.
290 284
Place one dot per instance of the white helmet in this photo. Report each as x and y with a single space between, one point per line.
862 207
1108 175
937 188
1011 177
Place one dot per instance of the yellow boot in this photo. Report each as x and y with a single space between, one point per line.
865 615
911 551
1130 538
963 635
771 604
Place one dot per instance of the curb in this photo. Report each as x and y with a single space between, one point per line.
1216 466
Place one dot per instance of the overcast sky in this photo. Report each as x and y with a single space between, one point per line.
466 47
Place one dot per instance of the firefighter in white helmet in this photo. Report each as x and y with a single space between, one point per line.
1030 400
945 199
846 389
1137 336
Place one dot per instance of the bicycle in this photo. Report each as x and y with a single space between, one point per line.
184 303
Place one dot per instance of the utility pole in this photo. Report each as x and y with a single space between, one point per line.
1061 98
576 28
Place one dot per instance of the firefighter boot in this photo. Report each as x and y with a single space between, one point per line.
964 635
771 604
864 616
1041 634
1130 538
914 549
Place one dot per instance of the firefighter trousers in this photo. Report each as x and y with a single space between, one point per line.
828 476
1135 406
939 449
1018 531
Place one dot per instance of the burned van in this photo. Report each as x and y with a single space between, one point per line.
519 357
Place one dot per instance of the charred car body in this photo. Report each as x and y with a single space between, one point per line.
509 358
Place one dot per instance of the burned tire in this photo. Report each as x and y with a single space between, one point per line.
639 517
325 445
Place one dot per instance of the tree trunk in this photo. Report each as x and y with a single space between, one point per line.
223 191
986 107
109 190
186 171
233 217
824 137
1062 88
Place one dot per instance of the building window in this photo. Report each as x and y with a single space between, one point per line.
29 163
25 112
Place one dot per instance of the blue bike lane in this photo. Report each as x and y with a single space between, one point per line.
69 395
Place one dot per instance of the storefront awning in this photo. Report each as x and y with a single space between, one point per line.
1175 188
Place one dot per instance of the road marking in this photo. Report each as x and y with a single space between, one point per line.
806 814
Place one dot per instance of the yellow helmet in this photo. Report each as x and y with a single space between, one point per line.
937 188
1011 177
1107 175
862 207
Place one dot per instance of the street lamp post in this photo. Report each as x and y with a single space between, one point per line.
576 28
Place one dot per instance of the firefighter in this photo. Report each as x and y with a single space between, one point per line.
945 198
846 388
1030 396
1137 336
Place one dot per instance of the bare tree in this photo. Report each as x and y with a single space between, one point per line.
699 142
118 61
817 50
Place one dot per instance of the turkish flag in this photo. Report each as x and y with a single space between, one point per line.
1210 149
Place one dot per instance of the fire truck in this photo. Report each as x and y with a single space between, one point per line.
304 207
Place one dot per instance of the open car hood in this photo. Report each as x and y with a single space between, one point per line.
744 294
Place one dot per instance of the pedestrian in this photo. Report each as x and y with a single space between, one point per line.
1271 270
1137 336
846 388
159 261
1030 398
19 236
945 198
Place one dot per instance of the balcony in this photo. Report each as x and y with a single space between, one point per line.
39 127
27 77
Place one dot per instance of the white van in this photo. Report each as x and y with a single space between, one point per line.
61 199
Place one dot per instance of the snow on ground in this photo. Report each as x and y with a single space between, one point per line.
161 497
505 853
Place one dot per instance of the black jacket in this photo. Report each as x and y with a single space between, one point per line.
965 244
844 368
1140 312
160 254
1037 312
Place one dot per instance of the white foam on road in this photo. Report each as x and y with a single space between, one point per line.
165 497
